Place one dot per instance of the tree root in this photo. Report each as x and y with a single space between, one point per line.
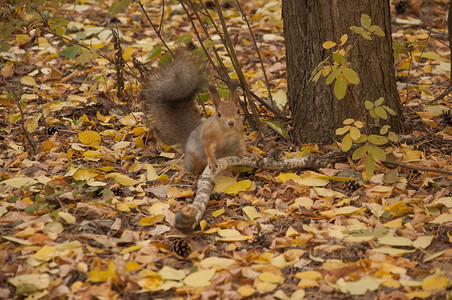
188 217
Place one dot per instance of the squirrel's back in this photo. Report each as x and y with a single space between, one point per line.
168 99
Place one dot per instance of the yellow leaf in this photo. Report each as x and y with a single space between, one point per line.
418 294
103 276
70 219
39 281
174 192
288 176
92 155
264 287
77 98
199 279
232 235
133 266
28 80
246 290
82 174
441 219
127 54
148 221
131 249
122 179
346 210
218 212
169 273
123 206
360 287
271 278
397 223
251 212
219 263
393 251
314 275
435 282
151 173
89 137
222 182
291 232
139 130
328 44
19 182
45 253
128 120
240 186
423 241
395 241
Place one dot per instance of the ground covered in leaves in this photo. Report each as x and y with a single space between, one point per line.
88 201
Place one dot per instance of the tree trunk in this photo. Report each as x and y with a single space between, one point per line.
316 112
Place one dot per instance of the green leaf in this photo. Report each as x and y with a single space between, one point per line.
373 114
342 130
360 152
389 110
316 77
377 30
340 88
365 21
369 163
376 152
184 39
332 76
326 70
70 52
361 139
344 39
276 126
357 29
379 101
366 35
355 133
377 139
393 136
381 112
346 143
350 75
328 45
338 58
369 105
155 52
384 129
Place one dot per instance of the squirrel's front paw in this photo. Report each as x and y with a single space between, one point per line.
213 165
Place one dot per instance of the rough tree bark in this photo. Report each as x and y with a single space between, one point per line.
315 111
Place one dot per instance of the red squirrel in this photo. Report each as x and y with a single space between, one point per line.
169 105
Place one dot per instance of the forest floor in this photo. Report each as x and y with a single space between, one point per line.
87 200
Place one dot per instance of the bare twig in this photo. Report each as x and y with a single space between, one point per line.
257 49
157 31
22 121
449 26
416 168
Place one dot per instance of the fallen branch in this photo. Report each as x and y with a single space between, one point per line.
416 168
188 217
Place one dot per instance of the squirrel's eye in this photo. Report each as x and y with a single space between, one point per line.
238 110
219 114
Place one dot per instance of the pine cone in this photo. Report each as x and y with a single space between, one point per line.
181 247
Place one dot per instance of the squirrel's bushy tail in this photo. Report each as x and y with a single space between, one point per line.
168 99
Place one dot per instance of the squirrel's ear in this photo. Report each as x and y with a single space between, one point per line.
234 94
215 96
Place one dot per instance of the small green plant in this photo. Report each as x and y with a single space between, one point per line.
370 150
336 67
